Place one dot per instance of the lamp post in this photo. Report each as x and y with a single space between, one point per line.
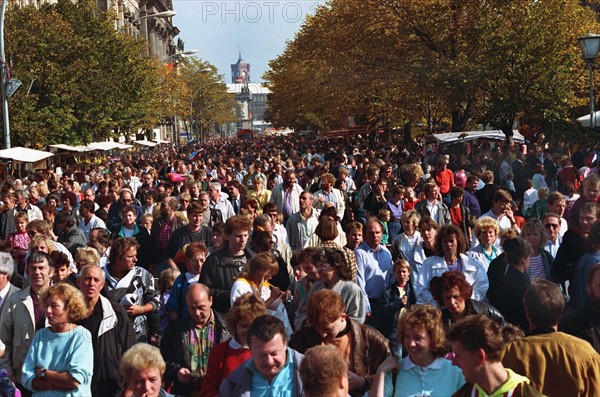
3 79
590 44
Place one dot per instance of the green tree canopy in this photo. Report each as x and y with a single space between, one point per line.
83 80
434 62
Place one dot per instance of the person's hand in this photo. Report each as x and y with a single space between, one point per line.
509 214
389 364
184 375
275 294
355 382
134 310
404 299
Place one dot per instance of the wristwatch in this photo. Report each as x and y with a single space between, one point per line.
43 374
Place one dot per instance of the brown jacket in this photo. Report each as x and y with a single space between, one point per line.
369 348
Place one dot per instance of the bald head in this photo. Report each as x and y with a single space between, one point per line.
199 303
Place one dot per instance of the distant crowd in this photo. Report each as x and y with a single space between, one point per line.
282 266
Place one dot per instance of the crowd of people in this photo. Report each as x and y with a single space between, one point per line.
278 266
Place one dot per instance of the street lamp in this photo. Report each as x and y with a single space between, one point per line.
179 55
590 44
163 14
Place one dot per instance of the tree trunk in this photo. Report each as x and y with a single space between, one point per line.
460 118
407 134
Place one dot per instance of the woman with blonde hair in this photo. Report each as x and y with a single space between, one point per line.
541 261
486 232
255 279
60 360
86 256
424 371
41 243
143 368
259 193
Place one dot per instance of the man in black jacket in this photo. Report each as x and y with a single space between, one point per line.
187 341
223 266
111 329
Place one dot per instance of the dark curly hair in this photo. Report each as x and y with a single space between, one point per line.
446 231
446 282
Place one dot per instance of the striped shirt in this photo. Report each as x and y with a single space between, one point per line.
536 267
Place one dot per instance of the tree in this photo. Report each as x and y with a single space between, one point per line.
83 80
532 61
431 61
206 102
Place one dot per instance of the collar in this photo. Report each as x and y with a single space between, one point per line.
191 278
109 317
365 246
235 345
436 364
556 242
211 321
541 331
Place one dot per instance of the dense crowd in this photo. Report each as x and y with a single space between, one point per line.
282 266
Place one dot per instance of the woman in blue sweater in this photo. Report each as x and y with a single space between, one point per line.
60 361
424 372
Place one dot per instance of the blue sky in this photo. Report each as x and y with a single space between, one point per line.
218 29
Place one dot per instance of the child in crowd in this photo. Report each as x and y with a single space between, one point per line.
19 240
384 217
61 267
165 284
147 220
395 300
195 254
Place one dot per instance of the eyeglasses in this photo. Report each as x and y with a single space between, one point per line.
323 266
127 200
551 225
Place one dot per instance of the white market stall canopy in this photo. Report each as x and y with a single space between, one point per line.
25 155
146 143
585 120
108 146
456 137
69 148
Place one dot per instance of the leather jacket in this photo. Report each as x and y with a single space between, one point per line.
473 307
